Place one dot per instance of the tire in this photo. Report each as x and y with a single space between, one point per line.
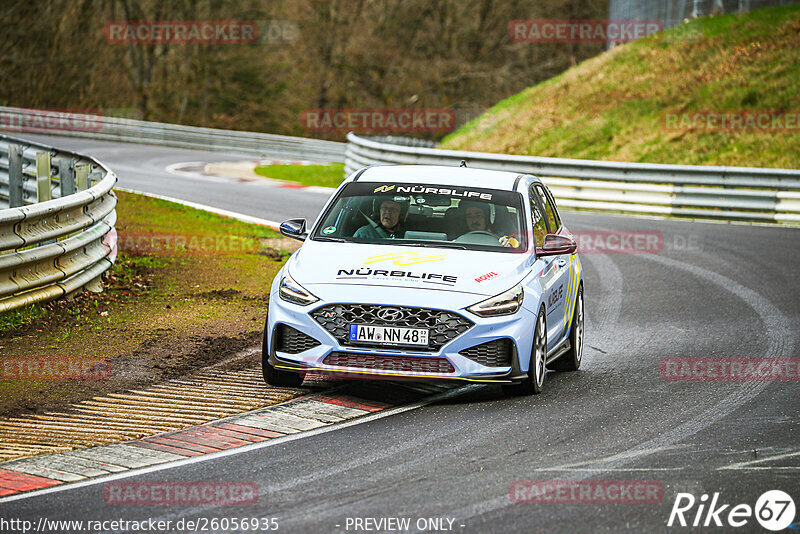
534 381
571 360
274 377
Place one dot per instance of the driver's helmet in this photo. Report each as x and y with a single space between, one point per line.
404 202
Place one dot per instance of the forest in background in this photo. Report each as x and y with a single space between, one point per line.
453 54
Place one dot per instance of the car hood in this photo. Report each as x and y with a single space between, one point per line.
463 271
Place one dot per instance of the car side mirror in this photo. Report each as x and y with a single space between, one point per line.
555 245
294 228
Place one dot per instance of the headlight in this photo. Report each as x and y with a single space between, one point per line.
291 291
505 303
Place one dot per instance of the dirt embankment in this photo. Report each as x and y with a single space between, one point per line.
167 311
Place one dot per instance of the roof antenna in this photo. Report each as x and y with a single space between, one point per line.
463 163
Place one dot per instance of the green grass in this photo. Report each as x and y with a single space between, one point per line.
26 315
321 175
166 216
158 308
613 106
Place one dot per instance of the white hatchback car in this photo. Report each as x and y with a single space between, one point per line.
429 273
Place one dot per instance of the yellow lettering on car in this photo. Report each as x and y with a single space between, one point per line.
404 258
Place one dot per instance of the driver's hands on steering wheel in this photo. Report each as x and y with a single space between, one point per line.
508 241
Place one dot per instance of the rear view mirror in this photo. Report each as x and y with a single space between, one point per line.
294 228
555 245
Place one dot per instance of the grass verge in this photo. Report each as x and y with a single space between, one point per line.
189 288
613 107
320 175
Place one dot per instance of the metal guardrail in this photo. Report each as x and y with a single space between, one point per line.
175 135
57 230
729 193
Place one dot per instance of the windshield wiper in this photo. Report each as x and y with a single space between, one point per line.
437 244
395 242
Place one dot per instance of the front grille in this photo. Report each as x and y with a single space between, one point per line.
495 353
444 326
292 341
409 364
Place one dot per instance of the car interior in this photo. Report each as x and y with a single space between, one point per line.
425 218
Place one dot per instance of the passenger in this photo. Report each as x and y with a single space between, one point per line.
389 222
476 217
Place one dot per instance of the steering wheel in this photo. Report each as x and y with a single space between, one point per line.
478 237
482 232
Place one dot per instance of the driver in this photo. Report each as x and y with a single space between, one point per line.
389 222
476 217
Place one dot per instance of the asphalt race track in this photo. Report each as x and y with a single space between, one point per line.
714 290
143 168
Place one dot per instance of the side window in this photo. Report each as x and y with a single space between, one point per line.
539 227
553 206
549 210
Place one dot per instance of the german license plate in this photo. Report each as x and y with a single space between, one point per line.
388 335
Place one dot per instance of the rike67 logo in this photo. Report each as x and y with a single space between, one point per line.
774 510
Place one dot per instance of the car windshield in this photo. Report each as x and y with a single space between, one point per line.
427 215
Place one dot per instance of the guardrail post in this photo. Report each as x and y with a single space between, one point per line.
15 177
40 269
82 177
66 176
43 192
95 176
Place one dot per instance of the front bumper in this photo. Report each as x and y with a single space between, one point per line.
517 329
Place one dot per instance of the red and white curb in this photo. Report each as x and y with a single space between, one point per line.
310 188
290 162
301 415
242 172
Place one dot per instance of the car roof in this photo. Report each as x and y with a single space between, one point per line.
441 175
